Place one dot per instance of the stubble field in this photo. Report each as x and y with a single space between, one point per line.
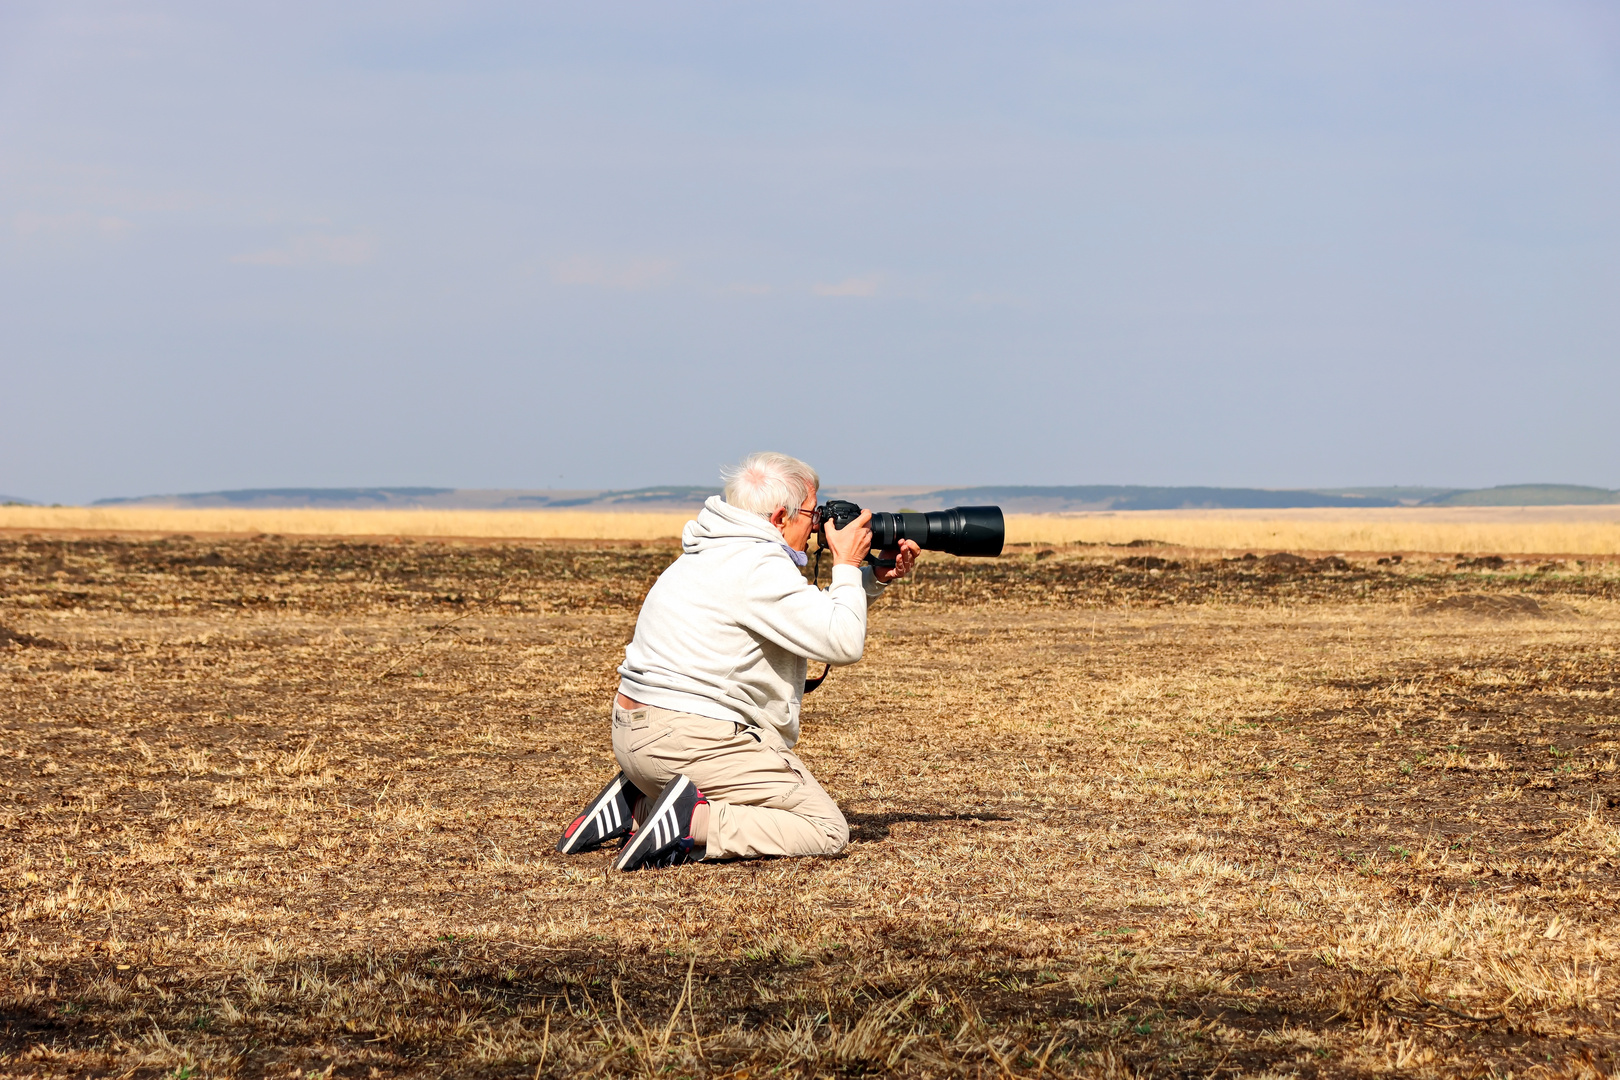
286 807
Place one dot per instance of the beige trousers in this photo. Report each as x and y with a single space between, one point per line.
762 800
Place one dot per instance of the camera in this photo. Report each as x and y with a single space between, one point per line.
961 530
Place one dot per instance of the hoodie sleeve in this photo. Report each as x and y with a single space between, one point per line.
828 627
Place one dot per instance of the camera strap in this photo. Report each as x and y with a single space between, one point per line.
815 579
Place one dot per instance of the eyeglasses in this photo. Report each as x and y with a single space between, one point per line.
815 517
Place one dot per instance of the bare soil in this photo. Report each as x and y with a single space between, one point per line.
287 807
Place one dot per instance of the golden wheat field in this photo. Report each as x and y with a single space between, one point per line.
1517 530
1498 530
502 524
285 806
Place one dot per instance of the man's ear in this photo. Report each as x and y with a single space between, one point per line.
779 516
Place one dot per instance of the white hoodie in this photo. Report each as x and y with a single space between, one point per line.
727 628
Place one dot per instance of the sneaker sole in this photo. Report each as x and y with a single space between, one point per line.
604 807
651 837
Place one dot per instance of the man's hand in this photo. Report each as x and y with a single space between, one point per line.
904 560
851 543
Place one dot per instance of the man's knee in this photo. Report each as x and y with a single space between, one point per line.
837 832
841 839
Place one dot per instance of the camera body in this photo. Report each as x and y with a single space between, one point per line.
962 530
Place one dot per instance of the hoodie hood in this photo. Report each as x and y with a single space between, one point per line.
719 524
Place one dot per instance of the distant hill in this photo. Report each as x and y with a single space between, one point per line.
1527 495
12 500
1405 496
1012 498
650 498
1109 497
429 498
341 498
1028 500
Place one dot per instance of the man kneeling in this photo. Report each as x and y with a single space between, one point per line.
707 711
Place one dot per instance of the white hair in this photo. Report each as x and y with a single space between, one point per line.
764 481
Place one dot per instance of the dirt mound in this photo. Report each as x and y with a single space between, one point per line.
1149 562
1484 562
9 636
1288 561
1493 607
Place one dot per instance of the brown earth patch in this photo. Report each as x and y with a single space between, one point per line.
1492 606
20 640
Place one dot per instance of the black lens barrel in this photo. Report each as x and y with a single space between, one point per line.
961 530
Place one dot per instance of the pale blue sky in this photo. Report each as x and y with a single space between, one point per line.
607 245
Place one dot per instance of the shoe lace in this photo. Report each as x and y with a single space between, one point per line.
677 854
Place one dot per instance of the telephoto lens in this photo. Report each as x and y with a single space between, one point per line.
961 530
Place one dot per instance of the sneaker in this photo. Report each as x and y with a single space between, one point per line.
606 817
665 838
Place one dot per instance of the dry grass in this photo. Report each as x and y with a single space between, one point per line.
498 524
1504 530
1548 530
286 808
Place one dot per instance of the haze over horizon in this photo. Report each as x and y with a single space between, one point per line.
494 245
1013 498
